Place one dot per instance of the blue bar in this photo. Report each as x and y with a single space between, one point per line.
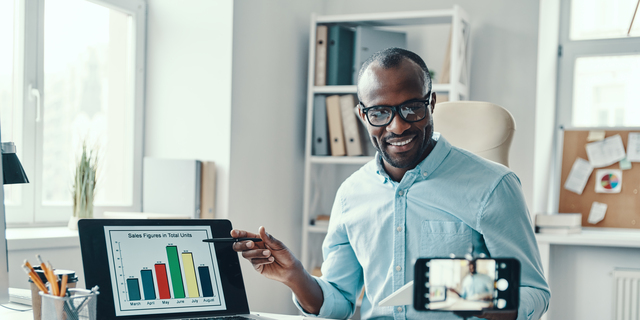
134 289
147 284
205 281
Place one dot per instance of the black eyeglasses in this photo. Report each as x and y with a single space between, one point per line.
410 111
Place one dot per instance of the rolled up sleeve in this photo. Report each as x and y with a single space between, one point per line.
342 278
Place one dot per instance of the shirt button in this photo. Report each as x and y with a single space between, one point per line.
400 192
399 229
399 309
398 268
425 174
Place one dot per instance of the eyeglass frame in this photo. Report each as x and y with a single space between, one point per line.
394 110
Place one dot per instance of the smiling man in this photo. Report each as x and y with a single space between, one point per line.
419 197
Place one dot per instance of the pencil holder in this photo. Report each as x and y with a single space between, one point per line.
36 299
80 304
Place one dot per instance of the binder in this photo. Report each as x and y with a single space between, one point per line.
334 121
320 145
171 186
340 55
208 190
369 40
350 127
321 56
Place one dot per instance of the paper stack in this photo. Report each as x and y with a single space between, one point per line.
562 223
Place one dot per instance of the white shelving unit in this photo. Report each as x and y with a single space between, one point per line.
323 174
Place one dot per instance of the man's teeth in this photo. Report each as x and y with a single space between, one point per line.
400 143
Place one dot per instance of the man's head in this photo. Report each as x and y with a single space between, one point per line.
472 267
390 78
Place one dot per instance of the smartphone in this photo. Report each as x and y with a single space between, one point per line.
445 284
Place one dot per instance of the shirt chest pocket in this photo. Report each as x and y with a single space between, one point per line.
442 238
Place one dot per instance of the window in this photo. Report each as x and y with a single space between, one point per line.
599 64
84 84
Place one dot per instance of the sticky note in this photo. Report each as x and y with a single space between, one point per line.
598 210
625 164
596 135
578 176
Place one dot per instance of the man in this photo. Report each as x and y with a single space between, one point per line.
475 286
420 197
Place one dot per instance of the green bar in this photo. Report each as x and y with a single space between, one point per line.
174 270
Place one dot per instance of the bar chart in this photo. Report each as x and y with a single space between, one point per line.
163 269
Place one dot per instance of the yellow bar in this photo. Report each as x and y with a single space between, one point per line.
190 274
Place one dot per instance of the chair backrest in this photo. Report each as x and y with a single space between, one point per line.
483 128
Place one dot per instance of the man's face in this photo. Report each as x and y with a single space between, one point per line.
472 268
402 144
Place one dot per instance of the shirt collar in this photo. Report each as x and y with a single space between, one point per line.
426 166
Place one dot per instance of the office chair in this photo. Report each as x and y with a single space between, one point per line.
483 128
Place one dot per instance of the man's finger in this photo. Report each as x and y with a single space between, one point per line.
260 262
256 254
243 234
269 240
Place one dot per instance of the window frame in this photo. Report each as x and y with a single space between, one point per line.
31 39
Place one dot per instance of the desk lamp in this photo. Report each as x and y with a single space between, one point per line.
12 172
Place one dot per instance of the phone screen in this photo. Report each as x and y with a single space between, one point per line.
464 285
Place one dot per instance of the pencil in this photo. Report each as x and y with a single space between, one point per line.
232 239
36 280
63 286
53 280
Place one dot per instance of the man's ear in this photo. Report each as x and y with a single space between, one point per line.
433 101
360 114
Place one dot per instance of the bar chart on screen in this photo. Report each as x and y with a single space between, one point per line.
163 269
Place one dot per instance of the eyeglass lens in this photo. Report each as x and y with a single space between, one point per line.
411 112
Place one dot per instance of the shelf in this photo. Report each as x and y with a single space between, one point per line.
341 160
318 229
391 19
436 87
607 238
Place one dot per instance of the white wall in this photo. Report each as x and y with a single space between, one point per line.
188 91
270 56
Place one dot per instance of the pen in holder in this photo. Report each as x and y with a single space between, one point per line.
79 304
36 300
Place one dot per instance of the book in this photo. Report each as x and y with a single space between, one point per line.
171 186
334 121
558 230
559 220
370 40
352 140
320 145
340 55
208 190
321 56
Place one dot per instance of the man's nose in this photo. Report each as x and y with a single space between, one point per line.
398 125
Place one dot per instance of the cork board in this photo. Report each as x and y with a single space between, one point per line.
623 209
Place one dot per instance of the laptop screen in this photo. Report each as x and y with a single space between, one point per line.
161 268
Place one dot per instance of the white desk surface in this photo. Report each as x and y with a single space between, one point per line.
6 314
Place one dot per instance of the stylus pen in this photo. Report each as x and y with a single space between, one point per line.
231 239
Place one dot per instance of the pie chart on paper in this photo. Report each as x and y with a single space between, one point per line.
610 181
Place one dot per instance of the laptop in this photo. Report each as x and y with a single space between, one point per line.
161 269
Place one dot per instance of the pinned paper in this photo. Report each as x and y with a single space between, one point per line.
579 175
596 135
598 210
633 147
625 164
608 181
606 152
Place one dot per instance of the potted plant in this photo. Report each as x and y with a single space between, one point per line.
84 186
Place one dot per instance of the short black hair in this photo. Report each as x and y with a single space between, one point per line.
392 57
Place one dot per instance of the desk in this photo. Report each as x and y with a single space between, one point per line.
6 314
578 269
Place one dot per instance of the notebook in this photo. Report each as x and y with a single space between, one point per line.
161 269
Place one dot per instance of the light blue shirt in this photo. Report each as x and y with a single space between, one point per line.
450 202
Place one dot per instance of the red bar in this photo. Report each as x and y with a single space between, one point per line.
163 283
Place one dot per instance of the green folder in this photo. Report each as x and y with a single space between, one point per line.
340 56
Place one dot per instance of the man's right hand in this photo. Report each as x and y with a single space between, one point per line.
274 260
270 257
